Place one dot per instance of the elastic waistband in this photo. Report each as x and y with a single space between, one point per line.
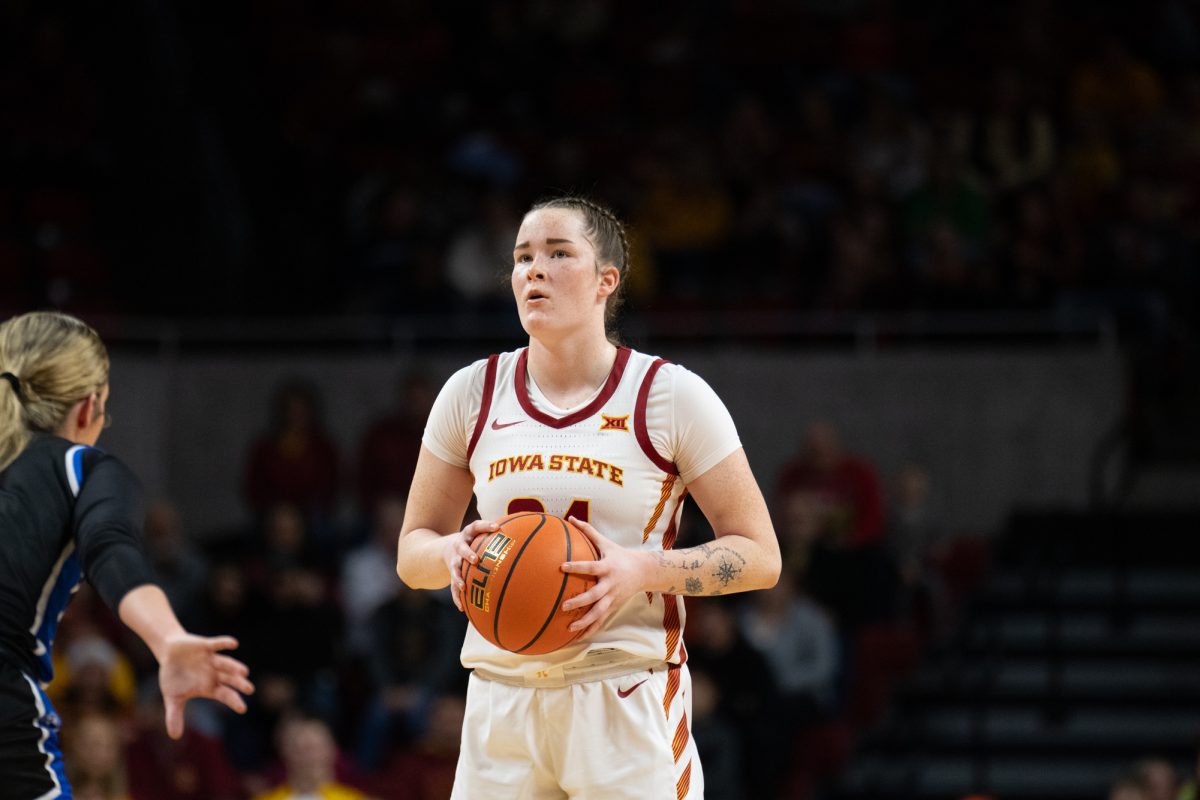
575 672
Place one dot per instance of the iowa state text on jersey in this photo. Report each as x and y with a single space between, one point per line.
557 463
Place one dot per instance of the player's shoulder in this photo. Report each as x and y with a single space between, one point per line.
664 372
477 368
73 463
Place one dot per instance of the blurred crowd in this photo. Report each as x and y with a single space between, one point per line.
373 156
359 682
820 155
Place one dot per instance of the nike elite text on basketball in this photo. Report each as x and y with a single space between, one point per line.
558 462
495 552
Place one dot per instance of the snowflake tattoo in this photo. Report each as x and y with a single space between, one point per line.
726 572
694 586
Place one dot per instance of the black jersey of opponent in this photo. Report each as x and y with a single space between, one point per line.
67 512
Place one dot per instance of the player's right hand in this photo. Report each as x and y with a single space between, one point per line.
458 548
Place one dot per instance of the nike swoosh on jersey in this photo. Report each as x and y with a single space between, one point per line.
497 424
623 693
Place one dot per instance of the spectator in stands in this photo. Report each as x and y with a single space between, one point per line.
292 672
1130 786
368 577
686 213
413 658
800 644
834 510
95 766
284 543
179 566
917 538
388 451
295 461
232 605
846 485
1115 85
748 696
1189 786
309 753
194 767
717 740
1013 143
1159 777
91 676
478 252
425 769
890 146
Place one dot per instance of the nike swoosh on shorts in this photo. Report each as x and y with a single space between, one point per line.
623 693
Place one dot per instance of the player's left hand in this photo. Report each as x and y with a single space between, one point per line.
620 573
194 666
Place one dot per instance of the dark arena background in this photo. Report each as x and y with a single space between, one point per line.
939 258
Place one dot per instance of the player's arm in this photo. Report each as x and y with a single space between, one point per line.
744 556
433 541
702 440
745 552
108 537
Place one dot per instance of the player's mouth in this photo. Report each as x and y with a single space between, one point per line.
534 296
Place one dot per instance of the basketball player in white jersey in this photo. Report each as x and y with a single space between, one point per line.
579 427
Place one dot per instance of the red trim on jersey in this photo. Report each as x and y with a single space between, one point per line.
639 421
485 405
610 386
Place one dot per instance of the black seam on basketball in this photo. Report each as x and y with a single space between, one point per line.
558 600
512 566
591 547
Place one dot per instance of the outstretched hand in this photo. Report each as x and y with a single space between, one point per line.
193 666
458 548
620 573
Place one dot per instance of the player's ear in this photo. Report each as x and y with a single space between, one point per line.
610 278
85 410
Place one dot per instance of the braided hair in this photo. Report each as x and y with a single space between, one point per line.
607 235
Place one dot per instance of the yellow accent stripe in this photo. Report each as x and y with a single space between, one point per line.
667 485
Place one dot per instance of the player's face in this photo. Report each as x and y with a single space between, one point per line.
555 279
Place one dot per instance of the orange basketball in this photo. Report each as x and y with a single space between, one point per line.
515 591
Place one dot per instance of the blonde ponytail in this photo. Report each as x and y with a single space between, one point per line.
54 360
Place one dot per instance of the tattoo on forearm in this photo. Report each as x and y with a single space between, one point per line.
726 571
723 563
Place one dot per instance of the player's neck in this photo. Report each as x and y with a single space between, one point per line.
569 369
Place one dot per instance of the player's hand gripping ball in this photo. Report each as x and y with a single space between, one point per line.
513 593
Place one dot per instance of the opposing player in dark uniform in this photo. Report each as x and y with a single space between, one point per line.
69 512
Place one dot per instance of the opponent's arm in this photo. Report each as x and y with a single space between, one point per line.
108 535
432 546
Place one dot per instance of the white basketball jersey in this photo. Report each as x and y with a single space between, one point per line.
596 463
